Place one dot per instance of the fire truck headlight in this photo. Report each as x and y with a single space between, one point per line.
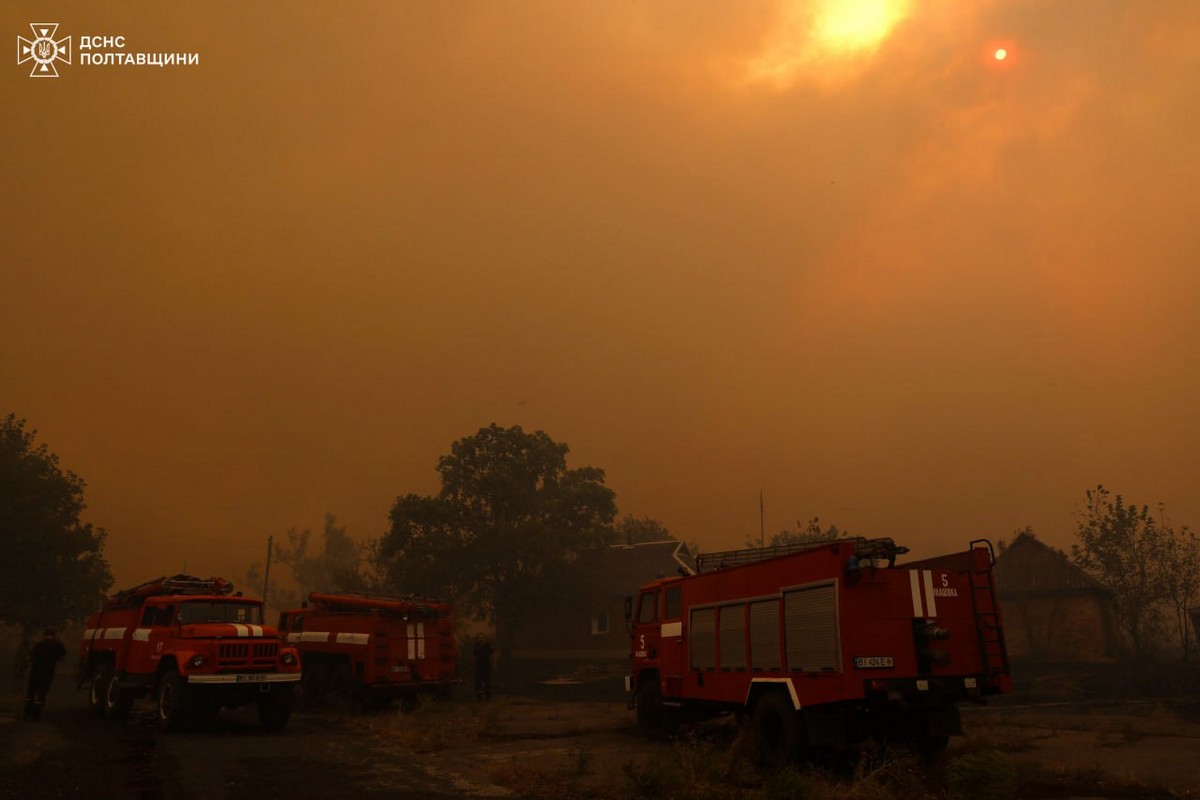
196 661
288 659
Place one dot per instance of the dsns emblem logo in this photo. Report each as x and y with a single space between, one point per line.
43 50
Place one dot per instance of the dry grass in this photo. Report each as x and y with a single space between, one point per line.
718 763
570 781
434 725
699 768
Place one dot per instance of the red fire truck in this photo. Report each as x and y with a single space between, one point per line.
193 645
373 649
821 644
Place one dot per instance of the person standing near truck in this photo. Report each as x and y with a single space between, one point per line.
43 661
483 668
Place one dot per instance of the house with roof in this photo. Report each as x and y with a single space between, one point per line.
591 623
1052 610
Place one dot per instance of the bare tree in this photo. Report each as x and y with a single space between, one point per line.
332 565
1181 578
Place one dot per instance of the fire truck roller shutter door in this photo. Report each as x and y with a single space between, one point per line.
703 638
811 628
764 635
732 621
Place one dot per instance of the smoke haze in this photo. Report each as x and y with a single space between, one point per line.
856 263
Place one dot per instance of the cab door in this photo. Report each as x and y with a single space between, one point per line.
146 640
671 640
645 634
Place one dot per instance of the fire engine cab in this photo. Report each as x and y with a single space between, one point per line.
373 649
193 645
820 644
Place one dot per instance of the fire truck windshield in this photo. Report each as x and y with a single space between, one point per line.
191 613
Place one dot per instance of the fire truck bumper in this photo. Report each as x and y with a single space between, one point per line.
929 691
245 678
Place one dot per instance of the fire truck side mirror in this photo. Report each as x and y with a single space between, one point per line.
628 608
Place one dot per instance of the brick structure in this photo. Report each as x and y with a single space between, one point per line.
1053 611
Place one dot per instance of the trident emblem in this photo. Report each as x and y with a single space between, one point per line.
43 50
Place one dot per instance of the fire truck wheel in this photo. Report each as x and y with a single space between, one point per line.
344 682
118 702
101 679
777 732
315 682
171 701
930 746
275 707
651 716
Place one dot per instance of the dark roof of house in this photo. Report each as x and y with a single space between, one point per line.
623 568
1028 565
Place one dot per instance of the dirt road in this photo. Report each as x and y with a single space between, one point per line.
463 749
1151 743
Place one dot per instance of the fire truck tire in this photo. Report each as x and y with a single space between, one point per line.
651 715
171 702
344 682
101 679
118 702
315 683
931 746
275 707
778 733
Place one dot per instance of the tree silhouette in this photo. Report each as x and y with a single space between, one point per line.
53 568
500 535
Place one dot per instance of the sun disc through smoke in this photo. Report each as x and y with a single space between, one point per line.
1001 54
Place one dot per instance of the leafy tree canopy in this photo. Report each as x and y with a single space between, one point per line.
1122 546
53 568
635 530
500 535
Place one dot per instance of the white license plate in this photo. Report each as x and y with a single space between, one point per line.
874 662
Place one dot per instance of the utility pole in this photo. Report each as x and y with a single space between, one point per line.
267 571
762 535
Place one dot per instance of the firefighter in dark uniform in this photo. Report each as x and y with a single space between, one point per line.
43 660
483 668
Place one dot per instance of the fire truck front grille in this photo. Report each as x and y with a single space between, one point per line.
247 654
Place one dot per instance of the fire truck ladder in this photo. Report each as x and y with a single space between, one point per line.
882 548
992 648
176 584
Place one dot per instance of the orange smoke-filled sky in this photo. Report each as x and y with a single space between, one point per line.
832 251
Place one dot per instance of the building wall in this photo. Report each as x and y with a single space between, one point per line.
1058 627
571 631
